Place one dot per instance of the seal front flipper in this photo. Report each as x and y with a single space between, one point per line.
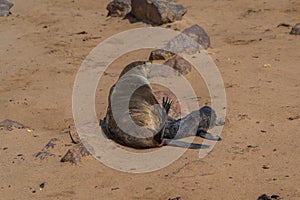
167 104
176 143
208 136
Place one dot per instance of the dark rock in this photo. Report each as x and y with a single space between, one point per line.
275 196
283 24
266 197
198 34
75 154
157 11
176 198
81 33
294 117
119 8
78 151
295 29
45 153
265 167
179 64
42 185
5 6
160 54
51 143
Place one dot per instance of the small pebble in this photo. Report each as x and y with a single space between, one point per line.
42 185
267 65
265 167
295 29
275 196
293 118
82 33
176 198
115 188
264 197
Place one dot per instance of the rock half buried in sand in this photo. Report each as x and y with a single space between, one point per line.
10 125
5 6
264 197
78 151
198 34
119 8
45 153
183 44
75 154
160 54
187 42
157 11
179 64
295 29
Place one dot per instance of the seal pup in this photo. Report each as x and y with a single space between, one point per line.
199 121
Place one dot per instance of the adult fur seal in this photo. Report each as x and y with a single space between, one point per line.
146 123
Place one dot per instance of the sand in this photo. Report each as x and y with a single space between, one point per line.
41 54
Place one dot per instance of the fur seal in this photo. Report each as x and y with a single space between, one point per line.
145 111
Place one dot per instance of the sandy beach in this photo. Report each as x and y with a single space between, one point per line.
41 52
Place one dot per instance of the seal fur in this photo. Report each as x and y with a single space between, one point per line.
145 111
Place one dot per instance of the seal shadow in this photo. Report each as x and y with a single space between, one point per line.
181 144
